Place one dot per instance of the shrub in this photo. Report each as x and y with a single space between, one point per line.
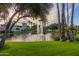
77 37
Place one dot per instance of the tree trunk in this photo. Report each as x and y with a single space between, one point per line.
37 38
59 24
67 14
13 25
2 42
44 30
68 35
3 39
62 24
72 28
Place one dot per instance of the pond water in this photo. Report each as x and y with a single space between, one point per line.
32 37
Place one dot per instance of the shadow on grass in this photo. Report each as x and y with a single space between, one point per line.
5 47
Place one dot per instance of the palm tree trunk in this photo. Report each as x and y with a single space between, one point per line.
62 24
68 35
37 38
67 14
72 28
44 30
59 24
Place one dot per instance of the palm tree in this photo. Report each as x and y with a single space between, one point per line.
62 23
67 14
59 24
44 28
68 35
72 27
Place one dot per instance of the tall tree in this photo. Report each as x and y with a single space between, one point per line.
67 28
59 24
44 27
63 23
38 10
72 24
67 13
4 12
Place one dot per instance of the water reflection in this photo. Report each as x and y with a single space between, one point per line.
32 37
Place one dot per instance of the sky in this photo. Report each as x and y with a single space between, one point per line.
76 14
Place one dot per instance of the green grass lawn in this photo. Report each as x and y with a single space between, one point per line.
40 48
